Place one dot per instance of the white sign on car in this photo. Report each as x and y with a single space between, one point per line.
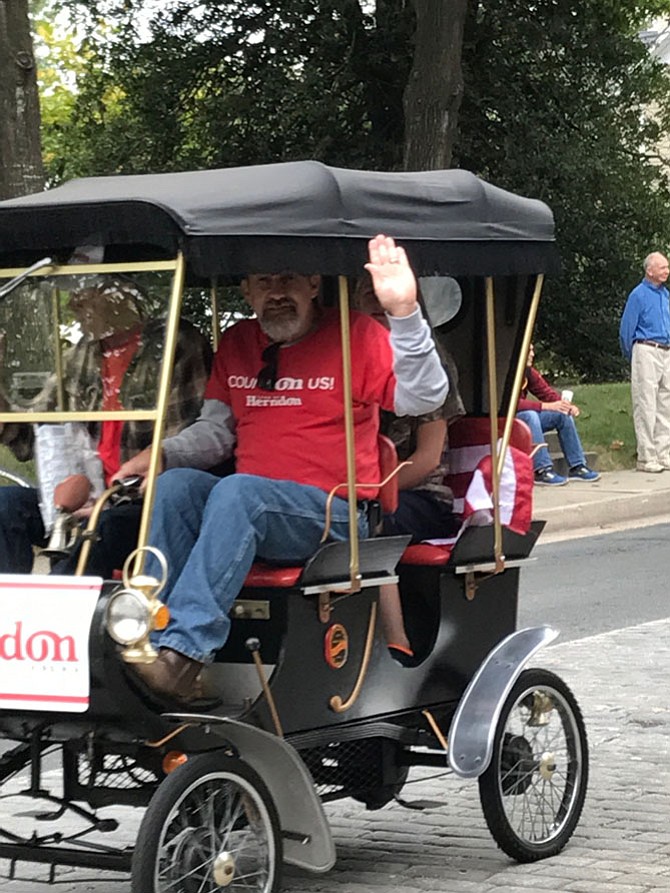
44 630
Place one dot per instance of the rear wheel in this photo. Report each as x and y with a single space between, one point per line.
211 825
533 791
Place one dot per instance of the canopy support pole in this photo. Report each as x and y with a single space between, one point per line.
354 565
171 334
520 369
216 329
58 350
493 418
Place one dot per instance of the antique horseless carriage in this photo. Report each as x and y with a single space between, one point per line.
305 704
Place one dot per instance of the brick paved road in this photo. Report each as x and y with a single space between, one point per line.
622 844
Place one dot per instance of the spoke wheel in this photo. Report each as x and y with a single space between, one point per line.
533 791
210 826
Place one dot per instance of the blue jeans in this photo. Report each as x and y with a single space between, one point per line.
21 528
422 515
211 529
564 425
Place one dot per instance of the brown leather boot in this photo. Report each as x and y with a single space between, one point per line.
172 675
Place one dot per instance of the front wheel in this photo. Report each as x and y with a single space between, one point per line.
211 825
533 791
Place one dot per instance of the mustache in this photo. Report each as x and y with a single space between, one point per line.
279 305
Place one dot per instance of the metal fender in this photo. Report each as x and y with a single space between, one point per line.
474 723
308 842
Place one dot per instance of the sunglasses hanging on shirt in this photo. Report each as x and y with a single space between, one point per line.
267 377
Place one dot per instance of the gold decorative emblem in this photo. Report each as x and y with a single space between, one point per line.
336 646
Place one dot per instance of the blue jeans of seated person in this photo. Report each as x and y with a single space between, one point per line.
21 528
423 516
211 529
564 425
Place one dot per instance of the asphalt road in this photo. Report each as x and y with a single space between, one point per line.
600 583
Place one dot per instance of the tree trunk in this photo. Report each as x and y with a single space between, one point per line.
435 86
21 168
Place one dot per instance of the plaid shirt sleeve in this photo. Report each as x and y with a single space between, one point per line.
193 363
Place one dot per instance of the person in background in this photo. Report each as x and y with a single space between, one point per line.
548 411
114 366
644 335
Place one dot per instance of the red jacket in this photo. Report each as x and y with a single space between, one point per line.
540 388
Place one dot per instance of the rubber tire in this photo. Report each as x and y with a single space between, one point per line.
173 790
490 785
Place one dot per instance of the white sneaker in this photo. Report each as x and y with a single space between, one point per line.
651 467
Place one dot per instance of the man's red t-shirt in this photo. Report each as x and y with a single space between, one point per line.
296 432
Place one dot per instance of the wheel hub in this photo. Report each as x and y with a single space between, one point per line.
547 765
223 869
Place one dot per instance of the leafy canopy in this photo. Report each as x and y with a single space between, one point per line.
562 101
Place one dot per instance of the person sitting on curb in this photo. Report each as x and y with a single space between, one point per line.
289 448
552 413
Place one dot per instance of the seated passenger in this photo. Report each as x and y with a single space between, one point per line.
275 397
425 502
115 365
550 412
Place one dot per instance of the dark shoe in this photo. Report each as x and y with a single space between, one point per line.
172 675
547 477
582 473
403 656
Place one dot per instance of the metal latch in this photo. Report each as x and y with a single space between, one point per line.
251 609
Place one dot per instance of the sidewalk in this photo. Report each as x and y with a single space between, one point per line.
619 498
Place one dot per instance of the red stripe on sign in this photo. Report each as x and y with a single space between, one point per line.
42 586
59 699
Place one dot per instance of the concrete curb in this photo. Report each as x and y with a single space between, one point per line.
613 511
618 499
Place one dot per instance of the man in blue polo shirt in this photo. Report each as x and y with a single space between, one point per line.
644 334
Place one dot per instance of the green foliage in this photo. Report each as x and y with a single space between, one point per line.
9 461
562 102
216 84
606 423
557 106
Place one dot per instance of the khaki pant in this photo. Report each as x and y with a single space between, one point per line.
650 391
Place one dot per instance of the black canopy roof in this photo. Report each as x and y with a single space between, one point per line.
299 215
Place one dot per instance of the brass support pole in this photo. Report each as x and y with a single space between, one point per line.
254 646
493 417
58 353
84 269
171 333
91 528
349 435
437 731
520 370
216 329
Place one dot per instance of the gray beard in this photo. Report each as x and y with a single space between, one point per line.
282 328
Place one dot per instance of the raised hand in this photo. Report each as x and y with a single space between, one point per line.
392 277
